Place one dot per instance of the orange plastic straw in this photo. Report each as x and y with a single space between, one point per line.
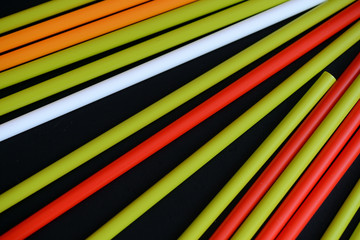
64 22
87 32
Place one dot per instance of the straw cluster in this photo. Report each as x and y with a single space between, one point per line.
60 56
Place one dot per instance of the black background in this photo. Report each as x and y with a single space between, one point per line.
23 155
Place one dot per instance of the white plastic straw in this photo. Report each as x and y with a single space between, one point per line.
154 67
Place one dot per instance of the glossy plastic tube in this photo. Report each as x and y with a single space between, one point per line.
258 158
86 32
154 67
38 12
299 163
344 215
282 159
318 167
322 189
221 140
356 234
63 22
112 40
128 127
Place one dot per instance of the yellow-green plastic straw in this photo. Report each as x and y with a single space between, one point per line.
165 105
356 234
133 54
37 13
258 158
111 40
296 167
344 215
227 136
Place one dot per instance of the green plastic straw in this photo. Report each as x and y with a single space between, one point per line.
166 104
38 12
258 158
304 157
344 215
133 54
356 234
227 136
137 31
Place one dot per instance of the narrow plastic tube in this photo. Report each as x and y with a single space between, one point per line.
112 40
344 215
282 159
226 136
37 13
133 54
63 22
298 165
85 32
356 234
153 67
322 189
327 155
258 158
128 127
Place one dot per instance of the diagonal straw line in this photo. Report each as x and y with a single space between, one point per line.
86 32
285 155
322 190
111 40
37 13
344 215
300 162
133 54
136 75
63 22
258 158
294 199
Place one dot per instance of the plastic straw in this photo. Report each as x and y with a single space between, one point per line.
282 159
123 130
86 32
344 215
356 234
226 136
133 54
302 159
63 22
321 162
258 158
322 189
154 67
37 13
111 40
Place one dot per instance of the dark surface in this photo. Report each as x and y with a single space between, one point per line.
25 154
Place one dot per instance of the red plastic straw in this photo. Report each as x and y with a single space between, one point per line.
322 189
312 175
286 154
182 125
